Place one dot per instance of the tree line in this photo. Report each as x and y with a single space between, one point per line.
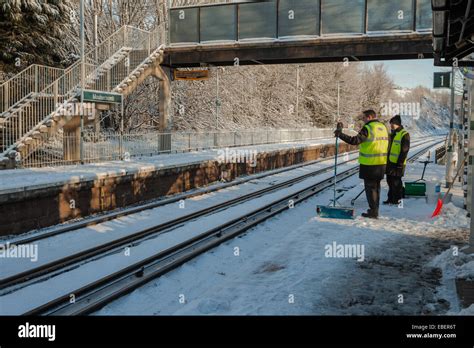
249 97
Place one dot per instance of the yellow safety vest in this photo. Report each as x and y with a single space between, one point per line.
397 147
374 151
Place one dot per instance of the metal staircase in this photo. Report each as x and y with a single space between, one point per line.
31 102
19 89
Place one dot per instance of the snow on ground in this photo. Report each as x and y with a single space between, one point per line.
33 178
31 296
455 264
92 236
284 266
433 119
26 298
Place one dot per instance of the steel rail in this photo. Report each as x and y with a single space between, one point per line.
97 294
73 259
161 202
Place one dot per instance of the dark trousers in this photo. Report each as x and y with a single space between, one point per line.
395 188
372 191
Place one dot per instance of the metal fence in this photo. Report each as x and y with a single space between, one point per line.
63 149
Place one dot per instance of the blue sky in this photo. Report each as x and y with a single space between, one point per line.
411 73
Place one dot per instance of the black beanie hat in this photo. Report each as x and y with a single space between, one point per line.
396 120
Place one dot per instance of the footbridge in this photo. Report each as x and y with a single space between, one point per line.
299 31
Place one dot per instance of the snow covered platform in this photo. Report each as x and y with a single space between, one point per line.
37 198
405 263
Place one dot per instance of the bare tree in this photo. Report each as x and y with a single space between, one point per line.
269 96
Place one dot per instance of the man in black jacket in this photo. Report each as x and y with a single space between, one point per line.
373 153
398 154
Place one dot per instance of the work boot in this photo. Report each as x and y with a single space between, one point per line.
370 215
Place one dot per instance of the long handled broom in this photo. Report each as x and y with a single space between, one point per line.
333 211
440 204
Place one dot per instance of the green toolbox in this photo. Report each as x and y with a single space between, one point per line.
415 189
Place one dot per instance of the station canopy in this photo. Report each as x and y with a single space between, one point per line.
453 31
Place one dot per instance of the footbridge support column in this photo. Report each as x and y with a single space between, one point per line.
163 74
72 139
72 130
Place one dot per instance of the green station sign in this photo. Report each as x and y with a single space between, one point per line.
442 80
102 97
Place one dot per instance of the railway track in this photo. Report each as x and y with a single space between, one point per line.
75 258
87 222
134 238
97 294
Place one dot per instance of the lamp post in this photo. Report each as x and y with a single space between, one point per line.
218 102
96 24
338 100
298 89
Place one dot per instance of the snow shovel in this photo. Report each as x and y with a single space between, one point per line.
332 211
440 204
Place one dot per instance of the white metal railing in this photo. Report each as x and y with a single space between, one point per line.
31 80
105 67
99 147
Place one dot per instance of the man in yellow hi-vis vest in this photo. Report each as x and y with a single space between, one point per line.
397 160
373 152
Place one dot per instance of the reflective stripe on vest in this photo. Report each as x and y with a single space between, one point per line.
396 148
374 151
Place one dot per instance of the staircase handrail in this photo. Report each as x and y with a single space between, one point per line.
64 89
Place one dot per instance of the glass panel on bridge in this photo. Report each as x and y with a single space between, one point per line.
343 16
298 17
424 15
386 15
219 23
258 20
184 25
